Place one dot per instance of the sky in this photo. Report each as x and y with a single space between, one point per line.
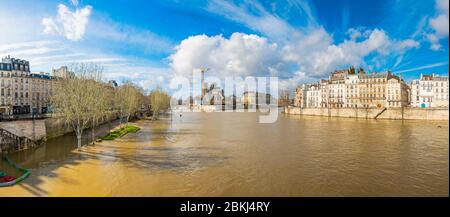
149 42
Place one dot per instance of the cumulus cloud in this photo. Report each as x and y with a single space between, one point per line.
356 33
439 24
321 56
240 55
70 24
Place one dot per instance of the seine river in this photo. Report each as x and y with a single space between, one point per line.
231 154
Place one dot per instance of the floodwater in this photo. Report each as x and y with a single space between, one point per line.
231 154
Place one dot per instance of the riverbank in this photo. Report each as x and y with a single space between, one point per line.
56 127
374 113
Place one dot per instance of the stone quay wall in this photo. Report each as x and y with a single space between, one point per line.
56 127
406 113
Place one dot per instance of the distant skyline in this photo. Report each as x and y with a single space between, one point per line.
297 40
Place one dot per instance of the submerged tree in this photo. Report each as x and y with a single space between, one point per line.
74 98
159 100
126 100
101 106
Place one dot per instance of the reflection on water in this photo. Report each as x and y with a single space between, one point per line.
231 154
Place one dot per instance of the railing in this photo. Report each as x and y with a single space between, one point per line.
9 142
381 112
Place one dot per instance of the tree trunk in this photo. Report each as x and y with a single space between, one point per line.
79 141
93 132
79 132
155 115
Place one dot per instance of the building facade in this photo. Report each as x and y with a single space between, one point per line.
398 93
430 91
23 92
300 96
337 89
351 89
313 96
62 72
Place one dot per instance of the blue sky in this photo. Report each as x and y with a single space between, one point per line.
297 40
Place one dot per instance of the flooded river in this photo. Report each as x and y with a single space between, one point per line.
231 154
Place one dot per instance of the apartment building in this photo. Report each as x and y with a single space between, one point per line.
22 92
430 91
351 89
313 96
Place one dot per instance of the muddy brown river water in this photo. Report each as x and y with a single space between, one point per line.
231 154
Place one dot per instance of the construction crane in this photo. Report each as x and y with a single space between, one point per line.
203 70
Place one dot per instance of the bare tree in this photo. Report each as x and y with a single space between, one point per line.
74 97
159 101
126 100
101 106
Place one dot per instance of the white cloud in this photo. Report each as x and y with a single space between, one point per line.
428 66
32 49
78 23
313 55
45 55
146 76
260 20
50 26
356 33
302 53
70 24
240 55
9 47
74 2
439 24
302 5
317 55
141 39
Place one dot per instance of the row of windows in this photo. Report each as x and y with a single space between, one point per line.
397 104
378 80
8 93
438 97
15 74
7 66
